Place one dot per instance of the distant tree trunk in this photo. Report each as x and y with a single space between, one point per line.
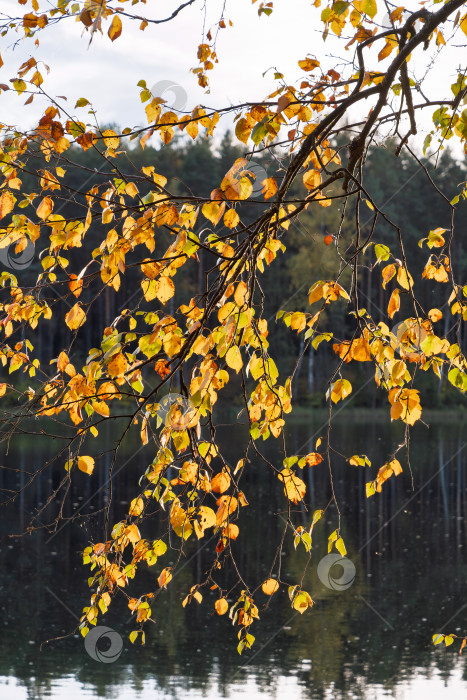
299 367
446 330
311 376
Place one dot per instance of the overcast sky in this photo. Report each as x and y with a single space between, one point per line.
107 73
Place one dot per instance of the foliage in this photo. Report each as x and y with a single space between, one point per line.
186 262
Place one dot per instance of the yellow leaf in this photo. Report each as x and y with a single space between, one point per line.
340 390
86 464
75 317
302 602
111 139
231 218
463 24
221 606
101 408
308 64
233 358
404 278
213 211
340 546
270 586
136 507
312 179
165 289
131 189
240 293
294 487
115 28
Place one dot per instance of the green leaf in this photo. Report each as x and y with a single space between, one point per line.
370 8
382 252
259 132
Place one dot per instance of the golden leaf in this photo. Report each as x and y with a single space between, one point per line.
118 365
221 606
75 317
340 390
115 30
86 464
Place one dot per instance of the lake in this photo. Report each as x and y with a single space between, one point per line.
372 639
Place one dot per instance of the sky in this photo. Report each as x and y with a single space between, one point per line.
107 73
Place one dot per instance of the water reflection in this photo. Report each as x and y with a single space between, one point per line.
372 640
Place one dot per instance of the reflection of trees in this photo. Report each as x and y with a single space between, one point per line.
411 572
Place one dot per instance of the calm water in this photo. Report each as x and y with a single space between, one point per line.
372 640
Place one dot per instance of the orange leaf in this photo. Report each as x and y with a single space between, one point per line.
62 361
435 315
7 202
269 188
313 459
165 577
394 303
75 317
45 208
75 285
231 531
270 586
86 464
220 482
